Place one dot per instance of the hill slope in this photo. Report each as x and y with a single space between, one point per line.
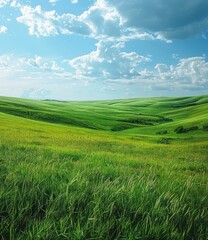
115 115
104 170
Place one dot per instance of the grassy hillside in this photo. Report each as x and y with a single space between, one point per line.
109 115
104 169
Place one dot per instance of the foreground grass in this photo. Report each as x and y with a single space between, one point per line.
61 182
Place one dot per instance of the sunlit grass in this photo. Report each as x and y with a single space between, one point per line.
59 181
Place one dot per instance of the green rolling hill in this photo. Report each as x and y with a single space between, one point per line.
116 115
120 169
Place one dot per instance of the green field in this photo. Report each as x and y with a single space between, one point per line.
104 169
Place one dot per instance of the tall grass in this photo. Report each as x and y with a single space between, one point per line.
61 182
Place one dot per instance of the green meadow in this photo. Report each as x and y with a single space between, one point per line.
120 169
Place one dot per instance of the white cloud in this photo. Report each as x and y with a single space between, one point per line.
46 23
164 20
121 20
3 2
38 77
108 62
40 23
19 75
53 2
29 67
16 4
190 74
39 62
70 24
101 21
192 70
3 29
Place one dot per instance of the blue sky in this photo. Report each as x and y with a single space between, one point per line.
103 49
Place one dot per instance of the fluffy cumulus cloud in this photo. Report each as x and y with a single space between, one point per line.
100 21
37 77
3 29
132 19
46 23
192 72
38 21
109 62
71 24
189 74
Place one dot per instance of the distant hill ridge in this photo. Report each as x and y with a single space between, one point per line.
112 115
